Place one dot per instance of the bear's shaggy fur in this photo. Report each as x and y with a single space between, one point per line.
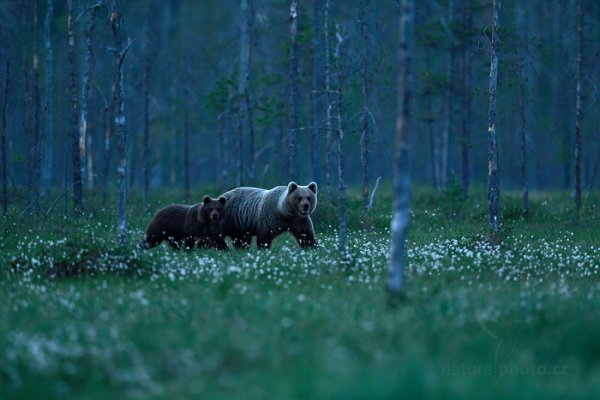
266 214
189 226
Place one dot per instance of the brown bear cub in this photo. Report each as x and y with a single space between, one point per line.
184 226
267 214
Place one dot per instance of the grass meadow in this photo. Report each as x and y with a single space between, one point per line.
83 318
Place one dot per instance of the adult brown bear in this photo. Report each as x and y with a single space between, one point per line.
267 214
189 226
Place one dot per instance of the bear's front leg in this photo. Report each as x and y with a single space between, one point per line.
263 241
242 241
304 233
220 243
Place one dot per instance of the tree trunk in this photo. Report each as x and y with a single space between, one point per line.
522 23
578 110
109 107
401 215
27 126
88 71
186 141
294 89
316 92
343 247
49 109
247 97
364 139
4 138
493 179
466 100
243 78
433 145
224 137
119 53
35 145
146 150
328 121
150 53
75 141
449 110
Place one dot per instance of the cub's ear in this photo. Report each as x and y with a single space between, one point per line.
313 186
222 200
206 199
292 186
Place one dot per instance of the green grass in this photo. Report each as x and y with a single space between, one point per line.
82 318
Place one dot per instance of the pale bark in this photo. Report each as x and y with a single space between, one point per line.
316 97
186 142
493 178
578 110
119 55
88 71
366 81
49 107
294 92
401 215
342 245
328 121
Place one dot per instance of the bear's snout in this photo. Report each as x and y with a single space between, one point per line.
214 216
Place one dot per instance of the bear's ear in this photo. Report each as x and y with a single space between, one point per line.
292 186
222 200
313 186
206 199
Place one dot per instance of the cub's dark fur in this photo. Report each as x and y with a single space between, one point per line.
189 226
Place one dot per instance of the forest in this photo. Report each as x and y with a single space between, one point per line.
453 147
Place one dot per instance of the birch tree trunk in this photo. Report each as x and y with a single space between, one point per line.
4 139
493 178
466 99
247 98
294 89
522 24
75 142
328 121
316 92
343 247
49 108
401 216
119 54
88 71
186 141
578 110
364 139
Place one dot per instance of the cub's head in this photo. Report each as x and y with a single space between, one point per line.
212 210
302 199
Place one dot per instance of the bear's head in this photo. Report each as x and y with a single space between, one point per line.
212 210
302 199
